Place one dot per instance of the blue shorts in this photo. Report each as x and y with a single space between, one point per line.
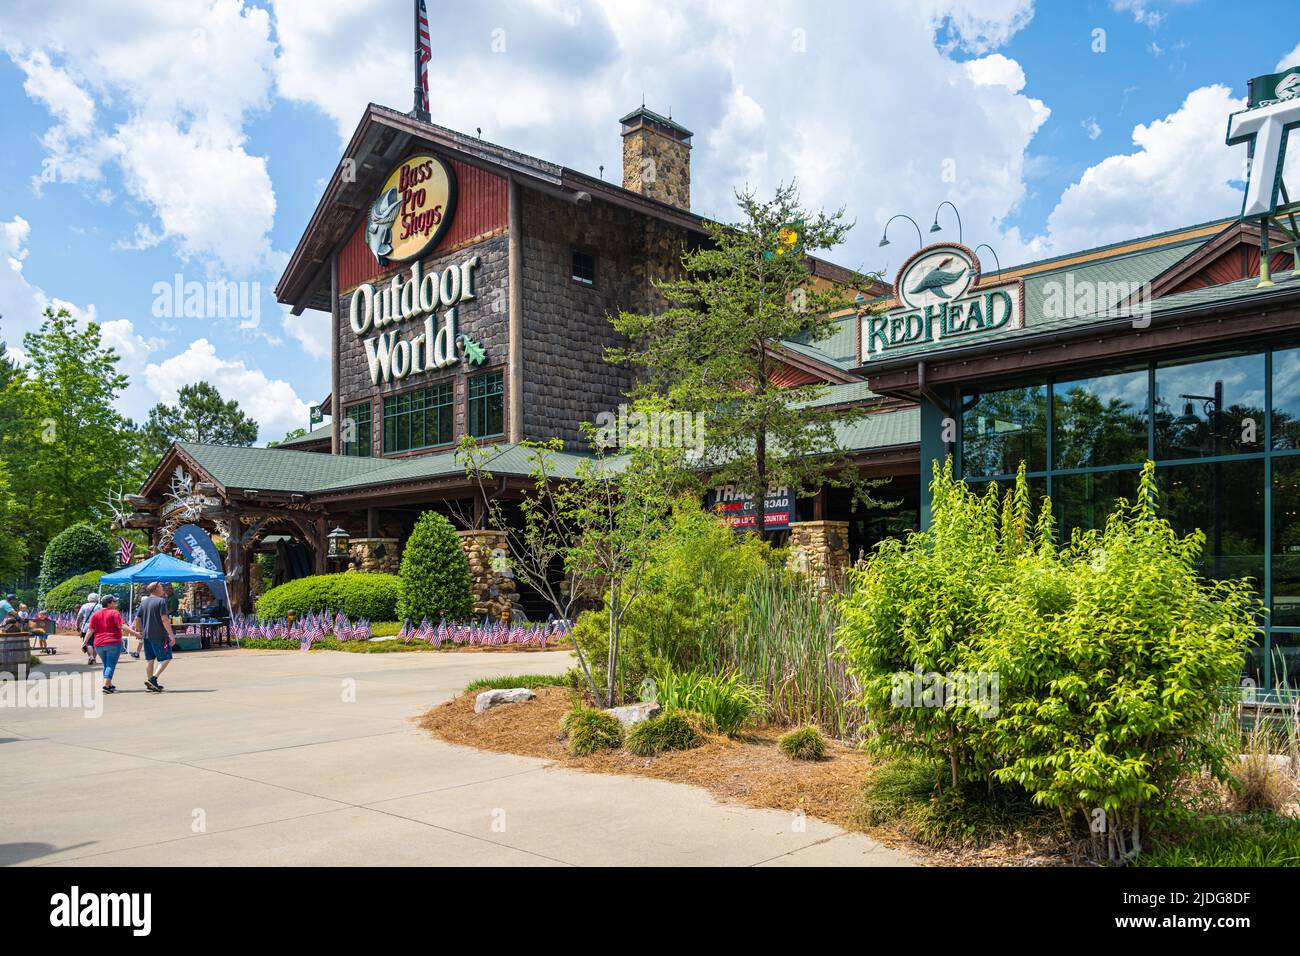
157 650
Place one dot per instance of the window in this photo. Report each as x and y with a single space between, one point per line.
1226 501
1002 429
1085 501
1100 421
419 418
355 430
584 267
1286 399
487 405
1205 409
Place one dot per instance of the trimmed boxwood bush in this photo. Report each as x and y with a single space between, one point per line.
589 730
74 551
803 743
355 593
671 731
434 573
69 595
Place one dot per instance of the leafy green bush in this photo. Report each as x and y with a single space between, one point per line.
693 591
589 730
69 595
1106 660
671 730
355 593
434 573
803 743
74 551
726 702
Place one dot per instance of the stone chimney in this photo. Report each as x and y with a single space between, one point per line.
657 158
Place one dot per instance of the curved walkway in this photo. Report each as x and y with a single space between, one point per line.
267 757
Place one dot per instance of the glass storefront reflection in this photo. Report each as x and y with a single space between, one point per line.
1226 501
1100 421
1203 409
1002 429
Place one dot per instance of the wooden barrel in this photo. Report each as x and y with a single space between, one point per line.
14 653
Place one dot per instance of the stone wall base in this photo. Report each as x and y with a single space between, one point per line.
375 555
820 549
492 581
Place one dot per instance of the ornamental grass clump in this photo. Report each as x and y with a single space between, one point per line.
671 730
588 730
725 703
803 743
1098 668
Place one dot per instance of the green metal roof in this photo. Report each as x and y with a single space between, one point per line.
324 433
305 472
839 348
901 426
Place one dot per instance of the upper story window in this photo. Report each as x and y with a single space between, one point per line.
354 430
584 267
487 405
420 418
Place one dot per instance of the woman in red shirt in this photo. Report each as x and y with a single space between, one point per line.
105 630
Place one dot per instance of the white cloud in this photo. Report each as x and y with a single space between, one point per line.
996 70
273 403
1141 10
311 330
162 91
22 303
1091 127
1155 187
1291 59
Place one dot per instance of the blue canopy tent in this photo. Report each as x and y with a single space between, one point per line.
162 567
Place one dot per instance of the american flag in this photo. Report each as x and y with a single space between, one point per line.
124 553
426 54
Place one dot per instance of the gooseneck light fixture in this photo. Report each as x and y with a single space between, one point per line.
937 228
884 236
985 245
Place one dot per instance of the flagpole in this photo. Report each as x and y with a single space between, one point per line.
419 91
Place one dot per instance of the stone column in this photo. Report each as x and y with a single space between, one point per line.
381 555
492 582
820 549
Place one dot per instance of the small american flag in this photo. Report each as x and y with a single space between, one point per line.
125 551
426 54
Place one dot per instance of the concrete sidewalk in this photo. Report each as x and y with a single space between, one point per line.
267 757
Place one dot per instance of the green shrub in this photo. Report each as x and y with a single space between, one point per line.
726 702
355 593
531 681
803 743
74 551
692 593
69 595
434 573
1107 660
671 730
589 730
905 793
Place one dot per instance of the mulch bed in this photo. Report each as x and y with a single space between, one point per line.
747 769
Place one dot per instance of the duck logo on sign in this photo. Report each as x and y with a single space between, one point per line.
413 210
940 300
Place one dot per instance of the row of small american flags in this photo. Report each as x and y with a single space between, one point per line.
486 634
306 630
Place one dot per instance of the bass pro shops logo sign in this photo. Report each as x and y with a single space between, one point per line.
939 299
412 211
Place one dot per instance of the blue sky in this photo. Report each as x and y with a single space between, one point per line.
194 137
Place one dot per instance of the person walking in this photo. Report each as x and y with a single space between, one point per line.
7 605
105 630
83 621
157 634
